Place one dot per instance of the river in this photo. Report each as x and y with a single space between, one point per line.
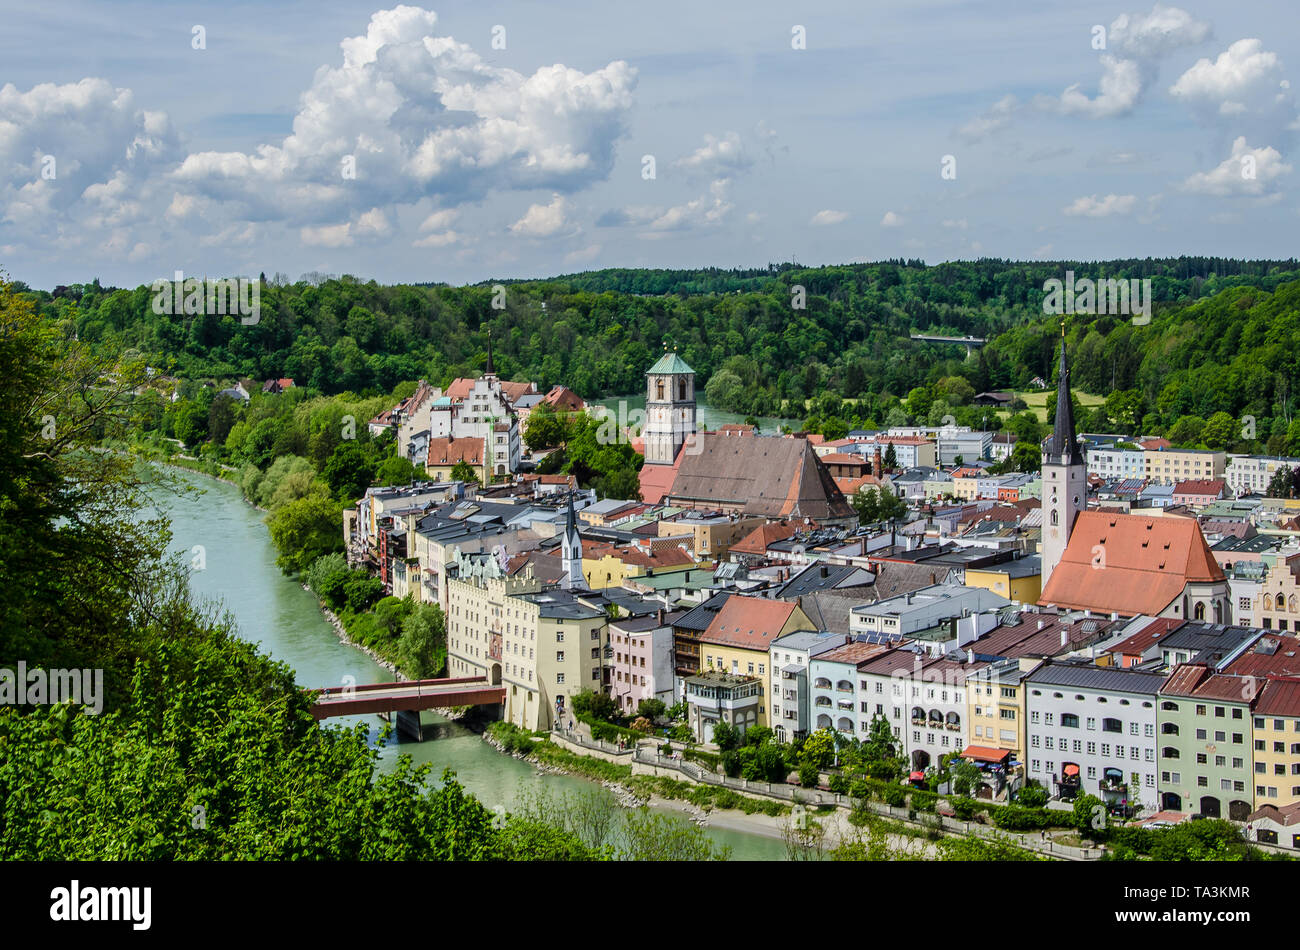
235 565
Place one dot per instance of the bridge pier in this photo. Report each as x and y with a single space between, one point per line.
408 724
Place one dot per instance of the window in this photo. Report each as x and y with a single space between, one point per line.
559 677
1112 725
1070 721
559 636
559 656
1007 714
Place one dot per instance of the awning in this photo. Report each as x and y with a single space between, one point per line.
1071 770
981 753
918 776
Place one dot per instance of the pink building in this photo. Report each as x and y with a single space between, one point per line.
1199 492
642 665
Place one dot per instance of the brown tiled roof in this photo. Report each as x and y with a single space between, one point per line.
656 480
1147 637
1155 444
748 622
855 653
1279 697
1199 486
449 451
1286 816
1184 680
1147 563
1284 661
766 476
562 397
1196 680
460 389
756 541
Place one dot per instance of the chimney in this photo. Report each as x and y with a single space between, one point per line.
659 617
1065 634
877 467
826 571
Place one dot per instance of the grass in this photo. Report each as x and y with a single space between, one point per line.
1036 400
548 753
702 796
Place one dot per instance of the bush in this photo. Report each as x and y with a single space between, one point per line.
839 784
859 789
808 775
964 808
924 801
726 798
1032 796
732 763
1020 818
894 795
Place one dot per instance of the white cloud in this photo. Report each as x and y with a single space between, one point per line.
828 217
958 223
1090 206
1118 92
995 119
1158 33
541 220
330 235
437 239
1247 171
892 220
439 220
422 115
719 155
1244 77
80 153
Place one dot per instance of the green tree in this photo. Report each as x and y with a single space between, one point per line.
462 471
1089 815
819 749
349 470
726 736
303 530
1221 430
423 645
397 470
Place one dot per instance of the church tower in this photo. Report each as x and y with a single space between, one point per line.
1065 478
571 552
669 408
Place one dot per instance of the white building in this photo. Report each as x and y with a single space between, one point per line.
788 659
1111 462
922 609
961 442
1250 474
1092 729
923 698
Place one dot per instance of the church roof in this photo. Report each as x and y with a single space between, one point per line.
670 363
776 478
1129 563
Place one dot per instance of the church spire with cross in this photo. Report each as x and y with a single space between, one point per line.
1065 477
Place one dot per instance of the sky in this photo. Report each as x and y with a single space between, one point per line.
479 140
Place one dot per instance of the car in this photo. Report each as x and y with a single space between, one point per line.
1158 824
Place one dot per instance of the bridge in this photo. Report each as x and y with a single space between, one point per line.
406 698
967 341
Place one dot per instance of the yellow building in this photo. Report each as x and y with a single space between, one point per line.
740 636
995 705
445 454
1277 743
543 646
1171 465
966 488
711 536
1020 580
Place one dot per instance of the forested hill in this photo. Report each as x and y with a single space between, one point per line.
1223 336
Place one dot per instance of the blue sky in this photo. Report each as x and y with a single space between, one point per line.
127 154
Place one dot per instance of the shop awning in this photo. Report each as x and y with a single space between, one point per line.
983 753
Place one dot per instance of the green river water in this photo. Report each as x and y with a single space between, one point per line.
239 572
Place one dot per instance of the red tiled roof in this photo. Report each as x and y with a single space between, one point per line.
1147 637
562 397
981 753
748 622
1146 563
1151 444
756 541
850 485
855 653
1284 661
1279 697
449 451
1200 486
844 458
902 440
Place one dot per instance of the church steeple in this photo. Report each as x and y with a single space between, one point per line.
571 552
1065 477
489 371
1064 446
